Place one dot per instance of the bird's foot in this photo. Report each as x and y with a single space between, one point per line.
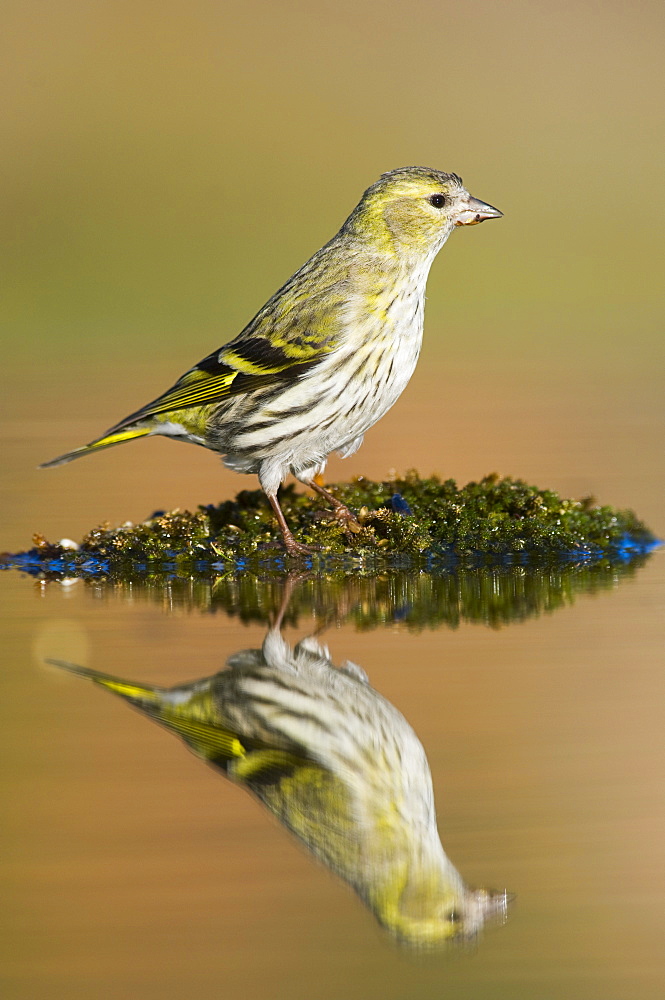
296 549
340 512
345 517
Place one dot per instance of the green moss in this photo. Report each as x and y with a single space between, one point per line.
402 523
493 517
175 535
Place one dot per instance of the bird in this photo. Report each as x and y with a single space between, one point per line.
339 766
327 355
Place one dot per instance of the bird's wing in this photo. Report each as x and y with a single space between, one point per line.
215 379
286 339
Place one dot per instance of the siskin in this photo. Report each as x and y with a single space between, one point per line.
328 354
337 765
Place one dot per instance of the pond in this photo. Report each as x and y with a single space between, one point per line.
525 702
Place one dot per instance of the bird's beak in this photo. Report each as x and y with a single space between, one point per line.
474 211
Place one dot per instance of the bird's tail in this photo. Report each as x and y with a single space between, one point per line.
192 718
110 439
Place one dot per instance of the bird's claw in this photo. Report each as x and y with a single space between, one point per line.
294 548
345 517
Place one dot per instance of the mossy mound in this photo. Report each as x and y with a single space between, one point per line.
409 521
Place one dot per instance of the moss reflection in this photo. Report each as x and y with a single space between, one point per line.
493 596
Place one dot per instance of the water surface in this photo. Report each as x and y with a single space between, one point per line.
134 869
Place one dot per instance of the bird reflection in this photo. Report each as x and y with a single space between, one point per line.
339 766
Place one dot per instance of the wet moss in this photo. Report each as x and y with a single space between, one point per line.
410 521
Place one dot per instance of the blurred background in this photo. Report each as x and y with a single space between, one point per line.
166 167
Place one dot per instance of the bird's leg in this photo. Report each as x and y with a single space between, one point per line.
293 547
341 511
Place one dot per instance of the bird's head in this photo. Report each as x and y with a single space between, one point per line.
413 211
435 908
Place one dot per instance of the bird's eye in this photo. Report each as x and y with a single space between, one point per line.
437 200
454 917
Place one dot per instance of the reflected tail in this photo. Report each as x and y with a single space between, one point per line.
138 694
190 718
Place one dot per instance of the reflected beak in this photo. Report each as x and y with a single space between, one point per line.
474 211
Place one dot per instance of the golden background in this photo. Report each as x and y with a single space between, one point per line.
165 166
